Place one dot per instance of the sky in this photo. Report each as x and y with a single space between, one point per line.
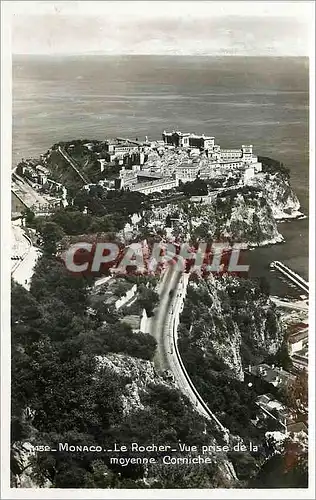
166 27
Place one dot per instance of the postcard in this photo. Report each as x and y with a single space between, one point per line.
157 165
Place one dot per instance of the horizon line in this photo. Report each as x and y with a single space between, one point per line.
84 54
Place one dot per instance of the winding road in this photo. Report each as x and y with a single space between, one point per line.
164 326
22 270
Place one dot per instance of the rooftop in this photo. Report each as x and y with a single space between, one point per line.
42 169
297 327
297 427
191 134
119 142
270 404
269 401
187 165
201 136
133 320
301 335
273 375
151 175
163 180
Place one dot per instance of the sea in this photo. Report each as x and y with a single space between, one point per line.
263 101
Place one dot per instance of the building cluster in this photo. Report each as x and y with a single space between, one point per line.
216 158
107 290
276 378
186 140
124 151
33 189
207 144
271 408
178 158
273 375
298 344
38 176
154 166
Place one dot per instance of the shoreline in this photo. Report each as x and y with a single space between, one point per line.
286 218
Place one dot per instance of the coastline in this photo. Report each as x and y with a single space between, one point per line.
299 216
296 215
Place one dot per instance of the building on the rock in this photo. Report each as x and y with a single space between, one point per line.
126 178
116 149
157 185
124 152
272 374
212 150
231 154
187 172
249 173
186 140
42 174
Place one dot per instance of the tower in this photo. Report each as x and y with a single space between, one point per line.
246 152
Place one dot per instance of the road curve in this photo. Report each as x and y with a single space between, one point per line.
163 326
22 272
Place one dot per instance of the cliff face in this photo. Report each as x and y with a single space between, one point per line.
139 410
279 194
21 477
234 325
139 374
141 377
242 216
251 221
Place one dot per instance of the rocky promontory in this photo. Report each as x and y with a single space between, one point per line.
279 194
235 324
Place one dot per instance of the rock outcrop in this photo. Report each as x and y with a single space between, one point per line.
279 194
249 219
235 325
236 215
139 373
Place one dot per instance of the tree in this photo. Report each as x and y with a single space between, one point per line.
72 221
297 395
185 476
119 337
168 221
288 469
196 188
272 166
101 476
51 234
52 280
72 477
24 307
29 217
264 286
244 463
147 299
282 357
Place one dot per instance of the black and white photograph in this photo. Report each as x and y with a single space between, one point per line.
157 230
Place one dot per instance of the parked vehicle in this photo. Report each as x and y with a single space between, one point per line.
168 375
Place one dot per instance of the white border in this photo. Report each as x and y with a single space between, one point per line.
6 153
6 133
312 253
